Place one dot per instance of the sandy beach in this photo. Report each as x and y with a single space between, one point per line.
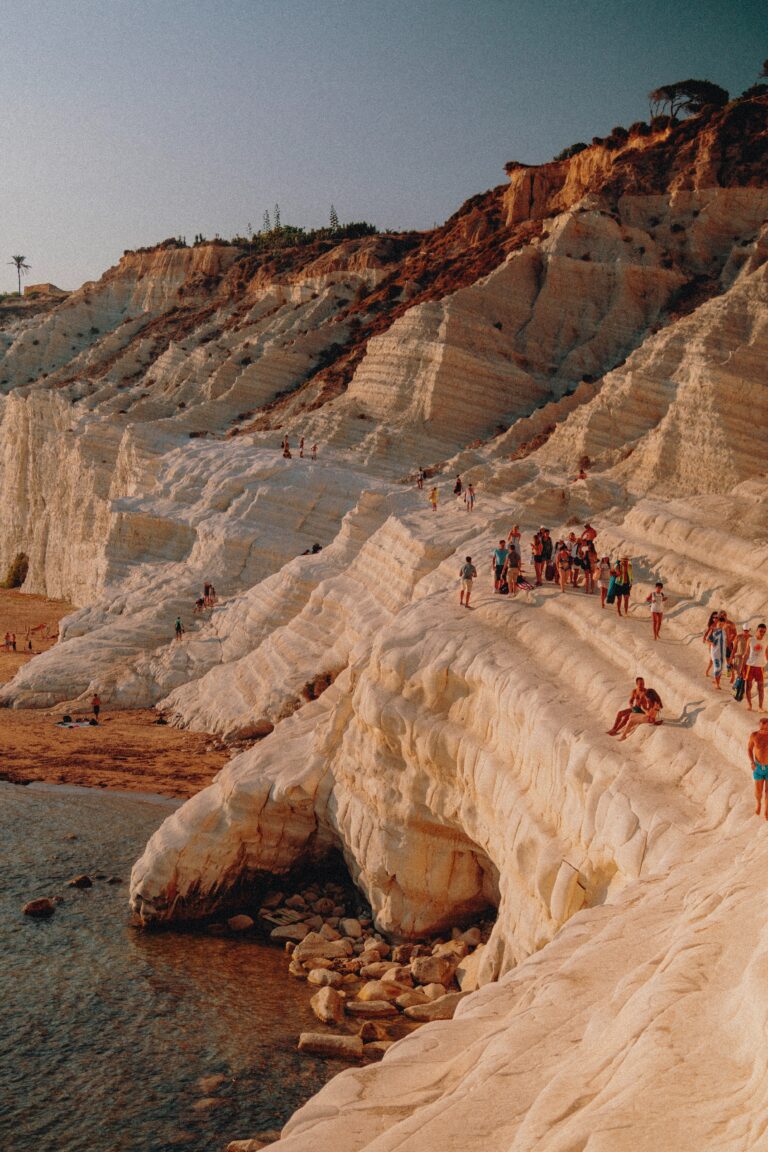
128 751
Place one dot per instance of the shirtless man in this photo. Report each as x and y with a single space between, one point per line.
635 705
754 665
651 709
757 750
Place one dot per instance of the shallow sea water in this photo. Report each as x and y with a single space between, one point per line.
106 1031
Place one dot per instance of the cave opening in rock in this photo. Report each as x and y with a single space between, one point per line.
17 571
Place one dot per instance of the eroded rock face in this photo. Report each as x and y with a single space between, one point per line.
458 759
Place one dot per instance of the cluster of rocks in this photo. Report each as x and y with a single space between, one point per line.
45 906
367 989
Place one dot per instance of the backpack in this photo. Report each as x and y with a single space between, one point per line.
738 689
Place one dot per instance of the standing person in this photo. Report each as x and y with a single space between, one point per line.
537 555
469 497
301 448
513 536
433 499
757 751
604 578
96 705
467 573
546 552
754 667
635 705
573 552
314 451
705 639
498 560
178 628
420 478
657 600
458 487
623 585
731 637
740 649
511 572
563 565
717 645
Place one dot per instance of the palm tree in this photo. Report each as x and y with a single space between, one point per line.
21 267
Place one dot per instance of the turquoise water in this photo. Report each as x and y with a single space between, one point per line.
106 1031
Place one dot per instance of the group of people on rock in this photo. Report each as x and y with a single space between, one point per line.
466 495
207 600
741 655
9 642
288 455
644 708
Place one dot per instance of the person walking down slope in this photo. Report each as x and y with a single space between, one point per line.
433 499
717 646
467 573
657 600
754 666
179 628
757 750
623 585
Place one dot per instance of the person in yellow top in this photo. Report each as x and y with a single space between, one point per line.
433 499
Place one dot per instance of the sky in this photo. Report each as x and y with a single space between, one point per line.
127 121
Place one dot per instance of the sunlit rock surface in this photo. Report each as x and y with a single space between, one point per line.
611 308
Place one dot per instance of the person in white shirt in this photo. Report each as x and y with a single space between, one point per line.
657 600
754 666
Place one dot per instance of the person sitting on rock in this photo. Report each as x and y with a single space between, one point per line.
458 487
651 709
635 705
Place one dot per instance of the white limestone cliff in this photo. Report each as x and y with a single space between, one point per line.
458 759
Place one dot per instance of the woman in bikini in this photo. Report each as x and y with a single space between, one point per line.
563 565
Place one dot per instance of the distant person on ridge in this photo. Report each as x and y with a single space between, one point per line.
458 487
469 497
467 573
179 628
314 451
420 478
657 600
301 448
96 705
757 750
433 499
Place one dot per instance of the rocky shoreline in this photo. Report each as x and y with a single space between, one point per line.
367 991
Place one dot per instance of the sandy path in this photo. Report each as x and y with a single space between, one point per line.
128 751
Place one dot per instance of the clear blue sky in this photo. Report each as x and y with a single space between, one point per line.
126 121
